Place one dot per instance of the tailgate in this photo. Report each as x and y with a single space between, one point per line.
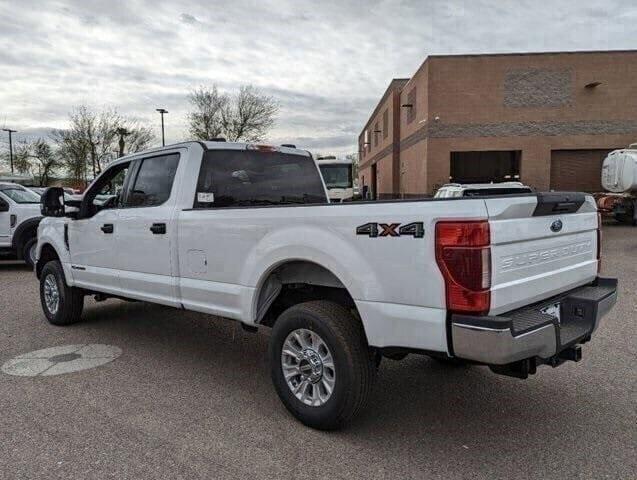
541 245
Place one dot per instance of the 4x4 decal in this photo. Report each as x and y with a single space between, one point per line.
373 230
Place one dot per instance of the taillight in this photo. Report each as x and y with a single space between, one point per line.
464 258
599 242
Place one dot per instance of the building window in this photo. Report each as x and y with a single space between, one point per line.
385 124
376 134
411 100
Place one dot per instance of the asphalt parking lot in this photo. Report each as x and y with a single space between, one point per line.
190 397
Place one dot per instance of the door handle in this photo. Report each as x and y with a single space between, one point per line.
158 228
107 228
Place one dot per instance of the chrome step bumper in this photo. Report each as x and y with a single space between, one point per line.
529 332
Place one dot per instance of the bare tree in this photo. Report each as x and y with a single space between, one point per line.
246 116
73 150
139 136
205 118
37 158
46 160
93 139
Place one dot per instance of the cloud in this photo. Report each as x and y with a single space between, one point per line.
327 67
187 18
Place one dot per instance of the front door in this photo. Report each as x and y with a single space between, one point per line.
92 237
147 230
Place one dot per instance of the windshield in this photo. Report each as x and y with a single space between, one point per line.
21 195
337 176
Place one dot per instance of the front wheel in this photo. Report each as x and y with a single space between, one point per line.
61 304
321 366
29 250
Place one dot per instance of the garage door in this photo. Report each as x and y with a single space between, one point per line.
577 170
485 166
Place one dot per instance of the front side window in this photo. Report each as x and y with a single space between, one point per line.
249 178
106 191
21 195
337 176
154 181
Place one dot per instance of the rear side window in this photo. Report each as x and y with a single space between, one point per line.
153 182
250 178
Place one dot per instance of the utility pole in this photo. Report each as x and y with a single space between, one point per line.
122 132
161 112
11 146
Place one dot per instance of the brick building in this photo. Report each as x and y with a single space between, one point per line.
547 119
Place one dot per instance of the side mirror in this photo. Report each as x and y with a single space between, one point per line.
52 202
4 206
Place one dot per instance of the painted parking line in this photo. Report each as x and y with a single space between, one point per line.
62 359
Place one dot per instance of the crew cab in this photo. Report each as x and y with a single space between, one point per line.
246 232
19 219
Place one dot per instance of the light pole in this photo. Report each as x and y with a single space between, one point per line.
161 112
10 146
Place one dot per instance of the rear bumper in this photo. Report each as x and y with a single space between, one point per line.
529 333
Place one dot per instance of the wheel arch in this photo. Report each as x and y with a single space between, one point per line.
25 231
47 254
298 280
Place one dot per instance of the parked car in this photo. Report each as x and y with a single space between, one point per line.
451 190
246 232
19 219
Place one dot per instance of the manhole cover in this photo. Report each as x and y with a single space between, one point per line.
58 360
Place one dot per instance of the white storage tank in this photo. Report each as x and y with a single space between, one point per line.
619 171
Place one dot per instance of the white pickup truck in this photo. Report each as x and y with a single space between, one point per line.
246 232
19 218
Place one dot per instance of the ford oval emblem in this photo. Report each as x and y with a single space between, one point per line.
556 226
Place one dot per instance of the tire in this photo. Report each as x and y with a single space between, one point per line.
29 251
70 300
353 363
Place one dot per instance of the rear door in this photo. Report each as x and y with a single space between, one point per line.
540 246
147 230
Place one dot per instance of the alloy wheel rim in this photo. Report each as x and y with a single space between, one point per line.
32 253
308 367
51 294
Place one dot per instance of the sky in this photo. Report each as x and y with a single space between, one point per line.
326 63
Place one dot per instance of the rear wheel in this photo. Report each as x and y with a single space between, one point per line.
321 365
61 304
29 250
